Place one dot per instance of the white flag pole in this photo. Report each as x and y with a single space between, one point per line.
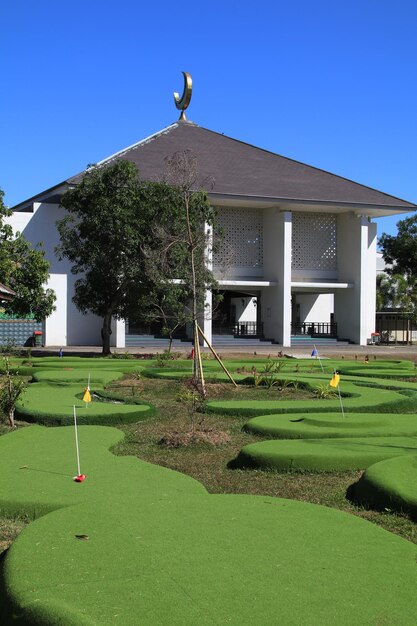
318 356
340 397
76 443
88 387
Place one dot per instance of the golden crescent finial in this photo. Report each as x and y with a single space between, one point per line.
183 102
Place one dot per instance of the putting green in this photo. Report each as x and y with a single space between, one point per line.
52 404
357 398
391 485
145 545
314 425
38 465
77 375
324 455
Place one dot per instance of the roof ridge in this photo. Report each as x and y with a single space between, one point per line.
163 131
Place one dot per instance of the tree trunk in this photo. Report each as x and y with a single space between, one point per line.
10 416
105 334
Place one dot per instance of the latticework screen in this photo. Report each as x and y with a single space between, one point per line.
241 243
314 241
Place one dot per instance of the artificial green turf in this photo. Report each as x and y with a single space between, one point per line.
77 375
52 404
209 559
356 398
390 485
324 455
160 550
38 465
318 425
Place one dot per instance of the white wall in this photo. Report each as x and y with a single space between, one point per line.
315 307
245 308
66 325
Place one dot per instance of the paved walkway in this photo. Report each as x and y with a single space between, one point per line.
385 352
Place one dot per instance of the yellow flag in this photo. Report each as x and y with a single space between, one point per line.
87 395
335 380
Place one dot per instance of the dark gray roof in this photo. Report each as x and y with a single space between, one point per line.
238 168
6 293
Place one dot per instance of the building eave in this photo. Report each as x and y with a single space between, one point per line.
296 204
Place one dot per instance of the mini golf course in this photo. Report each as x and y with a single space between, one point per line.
137 544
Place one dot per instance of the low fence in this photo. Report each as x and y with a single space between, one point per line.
395 327
315 329
19 332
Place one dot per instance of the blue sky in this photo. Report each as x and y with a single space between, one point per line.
332 84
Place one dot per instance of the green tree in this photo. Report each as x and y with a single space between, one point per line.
400 250
396 291
400 255
121 234
25 270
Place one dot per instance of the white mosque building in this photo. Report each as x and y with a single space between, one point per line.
299 248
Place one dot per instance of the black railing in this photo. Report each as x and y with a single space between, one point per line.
248 329
315 329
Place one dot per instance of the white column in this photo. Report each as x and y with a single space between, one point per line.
355 308
208 299
276 301
206 327
55 326
368 280
118 336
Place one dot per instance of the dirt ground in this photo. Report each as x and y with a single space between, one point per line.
348 352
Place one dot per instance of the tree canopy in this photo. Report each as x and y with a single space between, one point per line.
400 251
25 270
127 238
396 291
399 289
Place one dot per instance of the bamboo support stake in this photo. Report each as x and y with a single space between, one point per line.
198 355
216 356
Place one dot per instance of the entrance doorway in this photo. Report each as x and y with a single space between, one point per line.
238 314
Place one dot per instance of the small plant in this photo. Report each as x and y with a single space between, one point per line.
8 348
167 355
272 367
191 394
28 358
122 355
265 378
294 385
11 388
324 392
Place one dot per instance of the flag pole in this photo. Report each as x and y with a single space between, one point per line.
340 397
318 356
76 443
79 478
88 387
